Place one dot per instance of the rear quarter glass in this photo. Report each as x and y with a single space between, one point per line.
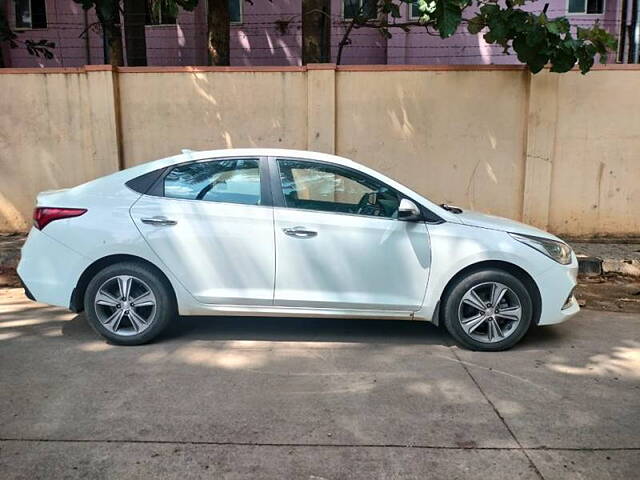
143 183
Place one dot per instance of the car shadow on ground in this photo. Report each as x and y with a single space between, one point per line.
285 329
309 330
25 317
289 329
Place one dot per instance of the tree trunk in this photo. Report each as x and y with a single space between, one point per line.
114 40
4 31
218 32
315 31
108 14
134 32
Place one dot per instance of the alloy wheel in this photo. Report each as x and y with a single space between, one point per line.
490 312
125 305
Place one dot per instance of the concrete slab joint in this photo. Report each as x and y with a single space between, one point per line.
541 125
321 108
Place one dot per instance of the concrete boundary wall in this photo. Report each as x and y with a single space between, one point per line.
558 151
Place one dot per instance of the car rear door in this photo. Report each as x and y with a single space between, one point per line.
337 250
211 223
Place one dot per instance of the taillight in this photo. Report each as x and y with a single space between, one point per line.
43 216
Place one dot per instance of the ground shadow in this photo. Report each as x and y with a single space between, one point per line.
286 329
307 330
289 329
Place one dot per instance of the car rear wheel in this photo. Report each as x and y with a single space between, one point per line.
488 310
128 303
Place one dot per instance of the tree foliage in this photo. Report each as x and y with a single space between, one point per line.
172 7
109 18
105 8
536 39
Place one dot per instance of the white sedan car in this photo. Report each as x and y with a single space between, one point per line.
267 232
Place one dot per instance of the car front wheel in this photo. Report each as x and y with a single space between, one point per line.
128 303
488 310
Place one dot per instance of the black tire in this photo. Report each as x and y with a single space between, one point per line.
165 306
452 304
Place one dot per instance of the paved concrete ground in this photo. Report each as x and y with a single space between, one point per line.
301 398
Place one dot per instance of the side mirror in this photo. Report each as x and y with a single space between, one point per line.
408 211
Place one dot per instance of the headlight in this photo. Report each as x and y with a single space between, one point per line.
559 251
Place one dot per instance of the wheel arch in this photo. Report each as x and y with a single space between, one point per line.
515 270
76 303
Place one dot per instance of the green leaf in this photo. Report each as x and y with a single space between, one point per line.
558 26
537 37
563 62
425 6
535 58
448 16
187 5
538 40
585 61
475 25
86 4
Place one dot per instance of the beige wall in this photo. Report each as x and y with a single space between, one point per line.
163 113
456 137
595 186
557 151
57 130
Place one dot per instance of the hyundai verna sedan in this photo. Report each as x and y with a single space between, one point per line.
266 232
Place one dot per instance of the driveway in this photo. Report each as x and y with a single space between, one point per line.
317 399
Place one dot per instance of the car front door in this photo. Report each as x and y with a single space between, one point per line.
339 244
211 223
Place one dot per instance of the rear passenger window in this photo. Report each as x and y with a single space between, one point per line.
228 181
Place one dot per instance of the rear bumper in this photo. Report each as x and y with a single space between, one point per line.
556 291
27 292
48 269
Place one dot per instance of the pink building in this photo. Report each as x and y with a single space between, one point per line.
268 33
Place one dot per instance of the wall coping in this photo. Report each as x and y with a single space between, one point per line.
304 68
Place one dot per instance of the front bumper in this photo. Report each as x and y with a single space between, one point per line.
556 291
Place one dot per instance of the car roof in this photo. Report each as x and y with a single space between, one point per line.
119 178
264 152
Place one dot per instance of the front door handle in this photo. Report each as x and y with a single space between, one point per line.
158 221
299 232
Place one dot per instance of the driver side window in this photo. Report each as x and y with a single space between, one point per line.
317 186
228 181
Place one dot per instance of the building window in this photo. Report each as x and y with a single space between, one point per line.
235 11
590 7
31 14
415 11
350 8
158 14
163 17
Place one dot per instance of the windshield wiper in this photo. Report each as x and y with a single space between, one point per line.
451 208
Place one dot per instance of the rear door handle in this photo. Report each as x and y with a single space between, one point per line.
158 221
299 232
